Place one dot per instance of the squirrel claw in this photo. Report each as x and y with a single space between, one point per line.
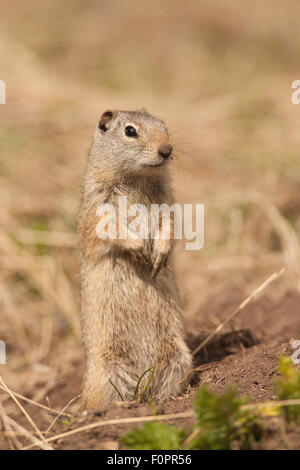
160 262
146 259
140 255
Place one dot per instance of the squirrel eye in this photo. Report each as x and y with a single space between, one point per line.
130 131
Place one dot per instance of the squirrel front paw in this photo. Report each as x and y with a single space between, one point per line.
160 255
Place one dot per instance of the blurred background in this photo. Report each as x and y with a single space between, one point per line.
219 73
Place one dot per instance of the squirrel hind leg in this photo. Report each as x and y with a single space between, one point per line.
106 388
172 380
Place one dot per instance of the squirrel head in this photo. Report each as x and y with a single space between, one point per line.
131 143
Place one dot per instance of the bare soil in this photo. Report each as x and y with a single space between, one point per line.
245 354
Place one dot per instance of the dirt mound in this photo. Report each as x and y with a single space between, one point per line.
246 357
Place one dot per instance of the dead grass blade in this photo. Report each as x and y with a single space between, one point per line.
136 395
47 275
111 422
190 438
27 416
40 405
14 319
118 391
286 233
24 432
38 237
7 426
61 413
271 403
249 299
146 385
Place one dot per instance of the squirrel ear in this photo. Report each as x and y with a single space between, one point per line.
105 119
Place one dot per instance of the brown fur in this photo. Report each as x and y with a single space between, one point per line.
131 320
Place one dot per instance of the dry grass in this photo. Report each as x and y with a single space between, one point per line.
167 417
220 74
242 305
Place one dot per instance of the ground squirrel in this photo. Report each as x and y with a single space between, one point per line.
131 314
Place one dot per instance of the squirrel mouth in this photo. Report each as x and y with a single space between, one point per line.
155 165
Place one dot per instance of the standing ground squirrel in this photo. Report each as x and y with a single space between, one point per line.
131 314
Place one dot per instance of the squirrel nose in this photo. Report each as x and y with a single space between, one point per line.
165 151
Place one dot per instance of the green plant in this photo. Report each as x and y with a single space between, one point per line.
139 394
222 421
40 225
154 436
288 387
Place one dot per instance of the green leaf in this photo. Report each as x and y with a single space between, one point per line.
288 387
223 422
154 436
